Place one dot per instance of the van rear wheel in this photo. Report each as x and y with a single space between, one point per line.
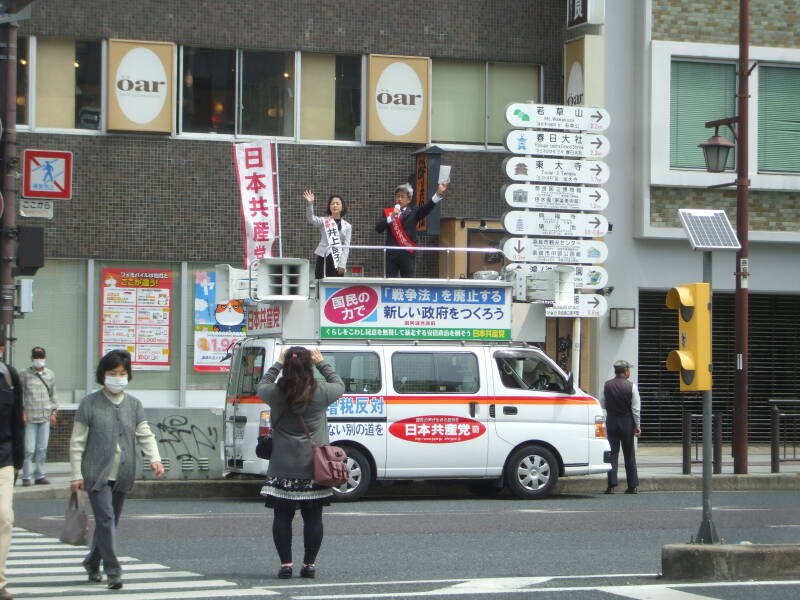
531 472
360 477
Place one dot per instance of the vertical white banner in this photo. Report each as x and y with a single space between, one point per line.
256 171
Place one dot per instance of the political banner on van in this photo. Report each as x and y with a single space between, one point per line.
402 311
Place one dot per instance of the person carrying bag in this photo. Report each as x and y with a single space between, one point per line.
291 483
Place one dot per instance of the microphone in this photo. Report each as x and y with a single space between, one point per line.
397 207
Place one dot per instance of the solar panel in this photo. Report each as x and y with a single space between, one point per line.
708 229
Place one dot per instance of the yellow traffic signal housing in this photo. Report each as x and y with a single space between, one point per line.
693 357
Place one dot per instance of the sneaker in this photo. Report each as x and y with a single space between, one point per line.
93 573
26 482
42 481
115 582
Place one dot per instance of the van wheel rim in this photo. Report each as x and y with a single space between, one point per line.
354 479
533 472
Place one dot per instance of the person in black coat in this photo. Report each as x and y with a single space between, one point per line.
12 453
400 225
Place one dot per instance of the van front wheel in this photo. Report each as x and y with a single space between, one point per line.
360 477
531 472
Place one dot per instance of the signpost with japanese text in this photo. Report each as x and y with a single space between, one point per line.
557 224
555 197
556 170
551 116
557 143
47 174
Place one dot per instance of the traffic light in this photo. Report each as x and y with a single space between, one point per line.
693 357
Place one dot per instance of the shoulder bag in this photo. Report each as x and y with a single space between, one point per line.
330 462
75 531
264 443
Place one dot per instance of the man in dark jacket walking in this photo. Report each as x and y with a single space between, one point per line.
400 225
12 453
620 400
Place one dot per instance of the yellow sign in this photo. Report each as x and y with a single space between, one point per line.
398 104
141 86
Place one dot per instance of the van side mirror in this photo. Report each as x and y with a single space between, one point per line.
571 383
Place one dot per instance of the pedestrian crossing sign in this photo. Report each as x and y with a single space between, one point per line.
47 174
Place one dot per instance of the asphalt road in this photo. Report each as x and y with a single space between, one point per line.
566 547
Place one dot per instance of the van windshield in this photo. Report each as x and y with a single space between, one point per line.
528 372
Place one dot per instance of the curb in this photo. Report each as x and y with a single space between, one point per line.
726 562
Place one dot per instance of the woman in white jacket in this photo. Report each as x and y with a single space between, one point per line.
335 235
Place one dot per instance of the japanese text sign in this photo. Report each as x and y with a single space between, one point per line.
216 326
256 170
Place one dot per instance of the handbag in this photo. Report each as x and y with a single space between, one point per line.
264 442
330 462
75 531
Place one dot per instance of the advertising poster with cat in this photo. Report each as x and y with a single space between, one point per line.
216 326
135 316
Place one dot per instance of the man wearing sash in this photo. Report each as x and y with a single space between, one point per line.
400 225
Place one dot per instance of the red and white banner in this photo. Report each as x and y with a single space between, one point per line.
256 171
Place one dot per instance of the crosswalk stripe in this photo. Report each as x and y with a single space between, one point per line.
73 580
39 547
51 553
36 540
77 569
87 588
171 595
78 560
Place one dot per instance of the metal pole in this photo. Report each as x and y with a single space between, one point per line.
742 260
707 534
8 243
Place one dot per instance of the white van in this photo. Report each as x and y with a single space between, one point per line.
480 407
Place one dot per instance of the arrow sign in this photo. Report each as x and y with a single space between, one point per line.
558 224
557 143
553 116
555 250
555 197
587 277
586 305
556 170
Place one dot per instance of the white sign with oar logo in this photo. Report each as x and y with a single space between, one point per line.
559 224
554 250
586 305
552 116
587 277
557 143
556 170
555 197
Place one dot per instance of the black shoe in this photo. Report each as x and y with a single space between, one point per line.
285 572
42 481
308 571
93 573
631 491
609 490
115 582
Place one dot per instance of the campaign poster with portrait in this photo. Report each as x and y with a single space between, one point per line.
217 327
135 316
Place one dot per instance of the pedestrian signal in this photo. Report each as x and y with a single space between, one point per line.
692 359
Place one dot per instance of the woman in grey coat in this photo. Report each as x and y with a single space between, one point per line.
290 476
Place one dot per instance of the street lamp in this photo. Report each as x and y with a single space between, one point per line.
716 151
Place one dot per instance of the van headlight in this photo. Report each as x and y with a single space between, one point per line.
600 426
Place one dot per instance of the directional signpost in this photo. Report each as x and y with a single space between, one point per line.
550 116
585 305
555 197
555 250
558 224
556 170
557 143
587 277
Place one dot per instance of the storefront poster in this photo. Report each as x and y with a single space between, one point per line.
135 316
216 326
451 312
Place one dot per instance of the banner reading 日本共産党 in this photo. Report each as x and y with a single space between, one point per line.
402 311
256 171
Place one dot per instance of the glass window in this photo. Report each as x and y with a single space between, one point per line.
209 85
250 370
267 93
699 92
331 97
23 74
458 101
778 125
508 82
360 371
435 373
528 372
68 83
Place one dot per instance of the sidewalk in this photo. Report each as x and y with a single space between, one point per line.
660 469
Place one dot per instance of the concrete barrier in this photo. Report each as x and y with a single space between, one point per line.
727 562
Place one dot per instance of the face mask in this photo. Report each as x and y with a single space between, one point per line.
38 363
116 384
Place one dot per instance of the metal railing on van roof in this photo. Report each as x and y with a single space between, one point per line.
447 251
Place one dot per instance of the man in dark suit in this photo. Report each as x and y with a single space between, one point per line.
620 399
400 225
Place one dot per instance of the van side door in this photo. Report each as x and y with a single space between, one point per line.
437 423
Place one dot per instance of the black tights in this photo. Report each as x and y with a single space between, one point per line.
312 531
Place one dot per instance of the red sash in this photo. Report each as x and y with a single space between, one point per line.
399 232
